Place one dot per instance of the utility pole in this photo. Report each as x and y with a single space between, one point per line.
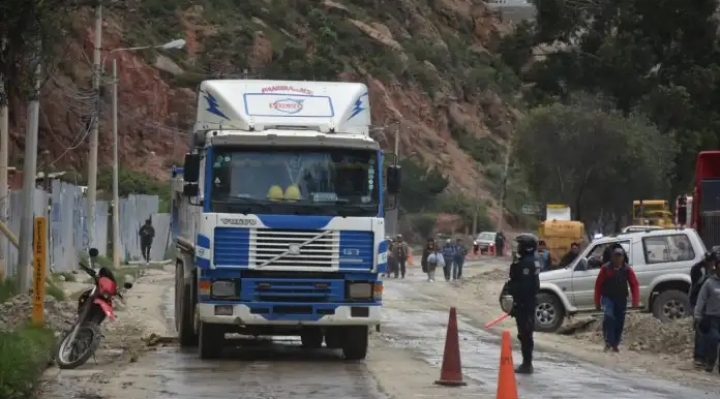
116 189
503 185
394 214
4 194
93 158
29 174
477 210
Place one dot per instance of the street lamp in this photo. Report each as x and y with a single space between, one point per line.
172 45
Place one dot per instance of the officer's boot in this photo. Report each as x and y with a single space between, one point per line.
526 367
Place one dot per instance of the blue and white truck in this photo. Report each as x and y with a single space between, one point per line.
278 216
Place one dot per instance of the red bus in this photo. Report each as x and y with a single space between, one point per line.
705 210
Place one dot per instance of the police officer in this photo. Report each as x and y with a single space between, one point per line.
524 285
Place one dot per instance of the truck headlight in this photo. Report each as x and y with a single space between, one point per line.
223 288
360 290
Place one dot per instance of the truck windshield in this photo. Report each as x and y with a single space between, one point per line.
341 182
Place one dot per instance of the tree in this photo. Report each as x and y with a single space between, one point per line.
593 158
420 187
30 32
657 58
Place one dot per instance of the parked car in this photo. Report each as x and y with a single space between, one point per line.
486 241
661 260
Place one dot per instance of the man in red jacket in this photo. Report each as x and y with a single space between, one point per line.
611 290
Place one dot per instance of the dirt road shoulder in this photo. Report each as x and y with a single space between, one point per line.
476 297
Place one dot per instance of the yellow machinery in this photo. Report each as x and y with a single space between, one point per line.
559 234
653 213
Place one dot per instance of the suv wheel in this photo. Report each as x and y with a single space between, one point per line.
671 305
549 313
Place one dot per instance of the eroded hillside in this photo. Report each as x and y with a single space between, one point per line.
429 65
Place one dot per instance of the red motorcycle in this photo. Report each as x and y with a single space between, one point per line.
94 306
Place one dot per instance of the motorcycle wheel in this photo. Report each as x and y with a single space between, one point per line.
69 356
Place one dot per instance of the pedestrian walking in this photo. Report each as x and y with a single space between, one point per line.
392 261
523 286
147 234
431 259
707 317
448 252
401 251
611 291
542 255
499 243
698 274
459 259
570 257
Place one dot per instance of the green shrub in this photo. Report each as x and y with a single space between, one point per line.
24 354
55 292
7 289
422 224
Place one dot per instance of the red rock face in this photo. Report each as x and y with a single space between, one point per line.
156 118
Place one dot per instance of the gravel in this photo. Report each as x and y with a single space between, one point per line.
16 311
642 333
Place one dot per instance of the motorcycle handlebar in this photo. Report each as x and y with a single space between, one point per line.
87 270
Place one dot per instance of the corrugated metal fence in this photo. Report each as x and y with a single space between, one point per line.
66 209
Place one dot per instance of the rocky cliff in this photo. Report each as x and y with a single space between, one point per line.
429 64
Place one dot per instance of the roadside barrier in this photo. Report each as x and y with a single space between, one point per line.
507 385
451 371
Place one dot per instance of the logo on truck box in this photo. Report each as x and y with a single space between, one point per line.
287 105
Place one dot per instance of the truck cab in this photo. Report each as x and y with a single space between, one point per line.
278 216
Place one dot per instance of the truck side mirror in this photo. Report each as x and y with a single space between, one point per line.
393 179
191 190
191 169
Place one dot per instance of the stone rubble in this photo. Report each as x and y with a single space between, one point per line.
642 333
16 311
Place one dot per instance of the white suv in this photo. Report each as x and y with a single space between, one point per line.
661 260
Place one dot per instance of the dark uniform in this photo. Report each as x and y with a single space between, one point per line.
524 285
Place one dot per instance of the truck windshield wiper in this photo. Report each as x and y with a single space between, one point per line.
345 209
242 205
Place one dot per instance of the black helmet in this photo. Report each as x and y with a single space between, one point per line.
526 244
711 256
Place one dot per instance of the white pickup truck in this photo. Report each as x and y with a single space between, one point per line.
661 259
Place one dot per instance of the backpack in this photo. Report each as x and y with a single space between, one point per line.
401 251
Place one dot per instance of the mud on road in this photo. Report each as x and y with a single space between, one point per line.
254 369
403 360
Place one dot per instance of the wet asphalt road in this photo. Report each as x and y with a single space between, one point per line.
556 376
279 370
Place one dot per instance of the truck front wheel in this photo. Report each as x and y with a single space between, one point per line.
186 316
212 339
311 338
355 342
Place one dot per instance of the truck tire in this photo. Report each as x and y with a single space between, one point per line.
355 342
333 338
311 338
671 305
185 315
212 339
549 313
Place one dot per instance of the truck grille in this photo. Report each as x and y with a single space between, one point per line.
273 248
300 290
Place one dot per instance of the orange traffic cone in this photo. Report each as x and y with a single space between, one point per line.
410 258
451 372
507 386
